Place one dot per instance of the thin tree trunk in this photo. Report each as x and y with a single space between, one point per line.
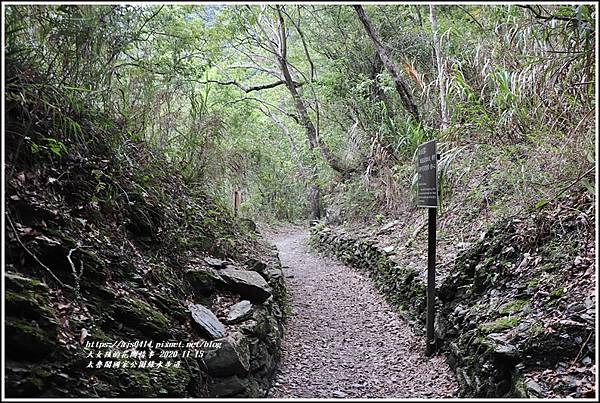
418 15
314 197
389 64
305 120
445 119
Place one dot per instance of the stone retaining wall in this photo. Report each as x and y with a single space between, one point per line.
406 292
495 322
245 364
400 286
242 366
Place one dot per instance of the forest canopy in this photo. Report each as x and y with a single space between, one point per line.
305 107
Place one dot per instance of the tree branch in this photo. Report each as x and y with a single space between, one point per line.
471 15
388 62
295 152
311 131
252 88
538 14
262 101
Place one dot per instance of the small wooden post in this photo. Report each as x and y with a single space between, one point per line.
237 200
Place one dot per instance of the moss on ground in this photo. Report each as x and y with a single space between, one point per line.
135 313
27 340
499 324
514 306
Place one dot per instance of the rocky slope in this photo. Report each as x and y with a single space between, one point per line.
516 310
109 248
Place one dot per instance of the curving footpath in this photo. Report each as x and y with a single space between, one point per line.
343 340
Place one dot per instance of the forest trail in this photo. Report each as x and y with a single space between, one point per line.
343 339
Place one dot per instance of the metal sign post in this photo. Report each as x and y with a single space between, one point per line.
428 197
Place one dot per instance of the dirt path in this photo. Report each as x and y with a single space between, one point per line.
343 339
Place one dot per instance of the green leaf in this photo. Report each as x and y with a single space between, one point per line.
541 203
590 187
590 157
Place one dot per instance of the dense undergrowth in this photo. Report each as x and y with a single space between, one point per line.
516 308
84 159
515 242
102 233
520 112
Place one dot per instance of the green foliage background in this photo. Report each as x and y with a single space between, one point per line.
518 81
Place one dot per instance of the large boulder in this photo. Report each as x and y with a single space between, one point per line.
214 262
227 387
249 284
231 358
208 323
240 312
31 324
203 281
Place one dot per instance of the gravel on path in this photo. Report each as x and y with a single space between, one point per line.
343 340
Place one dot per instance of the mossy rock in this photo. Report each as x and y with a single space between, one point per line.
172 382
137 314
30 305
519 388
27 340
31 325
533 283
558 292
26 382
513 307
499 324
17 282
131 383
28 298
231 358
94 267
172 305
101 302
266 326
204 282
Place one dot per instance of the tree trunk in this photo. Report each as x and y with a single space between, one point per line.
314 196
305 120
445 119
389 64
